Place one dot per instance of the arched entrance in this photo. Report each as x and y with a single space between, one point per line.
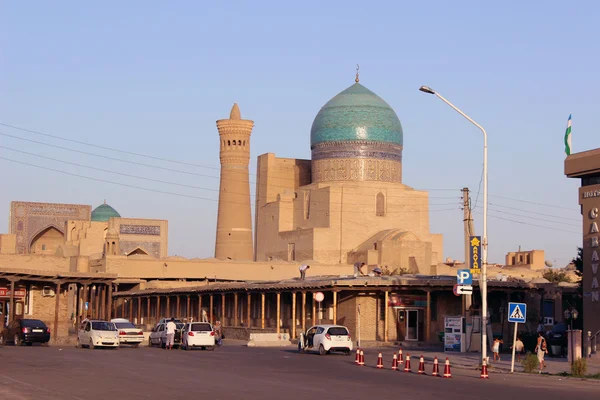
47 241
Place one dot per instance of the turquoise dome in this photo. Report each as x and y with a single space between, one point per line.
104 212
356 114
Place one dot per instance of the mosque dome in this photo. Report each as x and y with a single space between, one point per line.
104 212
356 136
356 114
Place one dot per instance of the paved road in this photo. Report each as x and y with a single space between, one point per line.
236 372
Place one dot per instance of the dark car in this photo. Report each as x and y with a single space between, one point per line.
558 338
25 331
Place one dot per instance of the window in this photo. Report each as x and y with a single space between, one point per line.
239 142
548 309
380 206
337 331
43 247
229 143
234 142
201 327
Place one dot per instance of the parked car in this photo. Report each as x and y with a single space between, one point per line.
325 339
96 333
198 334
25 331
128 333
158 336
558 337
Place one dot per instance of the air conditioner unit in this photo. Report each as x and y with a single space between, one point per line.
47 291
548 321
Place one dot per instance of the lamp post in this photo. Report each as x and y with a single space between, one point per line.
571 314
483 281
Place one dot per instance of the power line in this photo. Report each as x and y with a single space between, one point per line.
532 212
533 202
530 224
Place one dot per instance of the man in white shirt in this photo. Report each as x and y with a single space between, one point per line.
303 269
171 327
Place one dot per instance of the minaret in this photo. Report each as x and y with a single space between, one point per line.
234 221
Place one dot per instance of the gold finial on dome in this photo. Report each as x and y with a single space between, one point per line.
357 68
235 112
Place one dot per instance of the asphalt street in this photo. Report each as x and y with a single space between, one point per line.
236 372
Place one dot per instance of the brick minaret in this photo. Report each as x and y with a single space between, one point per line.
234 221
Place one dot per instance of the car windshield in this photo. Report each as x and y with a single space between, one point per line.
103 326
560 328
31 323
201 328
338 331
124 325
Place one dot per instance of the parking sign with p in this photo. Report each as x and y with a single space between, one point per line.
464 277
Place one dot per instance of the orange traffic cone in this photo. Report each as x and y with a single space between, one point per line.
484 373
379 361
357 359
361 362
407 364
421 366
436 368
400 358
447 373
394 363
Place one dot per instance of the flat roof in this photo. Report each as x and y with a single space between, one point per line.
71 277
582 164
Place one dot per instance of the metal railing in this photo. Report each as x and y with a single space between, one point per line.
592 342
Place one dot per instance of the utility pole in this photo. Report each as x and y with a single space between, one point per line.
468 232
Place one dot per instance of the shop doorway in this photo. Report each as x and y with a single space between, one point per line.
409 324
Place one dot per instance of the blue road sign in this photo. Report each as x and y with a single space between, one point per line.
517 312
464 277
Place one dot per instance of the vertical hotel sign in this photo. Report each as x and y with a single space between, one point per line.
590 199
475 244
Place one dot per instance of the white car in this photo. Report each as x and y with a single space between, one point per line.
325 339
159 335
128 333
95 333
198 334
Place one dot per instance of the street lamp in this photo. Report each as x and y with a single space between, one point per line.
483 283
571 314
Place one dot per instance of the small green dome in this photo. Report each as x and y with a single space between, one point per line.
104 212
356 114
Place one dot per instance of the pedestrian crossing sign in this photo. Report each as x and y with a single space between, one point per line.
517 312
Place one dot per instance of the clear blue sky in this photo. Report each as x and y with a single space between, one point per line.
152 78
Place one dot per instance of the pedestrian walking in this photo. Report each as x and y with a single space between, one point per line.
519 346
171 327
303 269
218 333
496 348
541 349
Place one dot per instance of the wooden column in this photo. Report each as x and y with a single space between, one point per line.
92 309
428 318
131 309
56 308
157 309
110 303
168 312
211 311
77 305
262 311
334 307
103 302
139 311
314 310
249 311
147 321
97 302
278 312
199 307
187 308
385 317
303 312
293 315
235 309
11 314
178 309
223 309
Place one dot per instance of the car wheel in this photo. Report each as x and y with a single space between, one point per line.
347 352
91 345
2 340
17 340
78 343
322 350
212 348
149 342
300 349
135 346
163 344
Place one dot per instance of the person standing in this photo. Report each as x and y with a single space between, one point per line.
303 269
519 346
541 349
496 348
204 316
171 327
